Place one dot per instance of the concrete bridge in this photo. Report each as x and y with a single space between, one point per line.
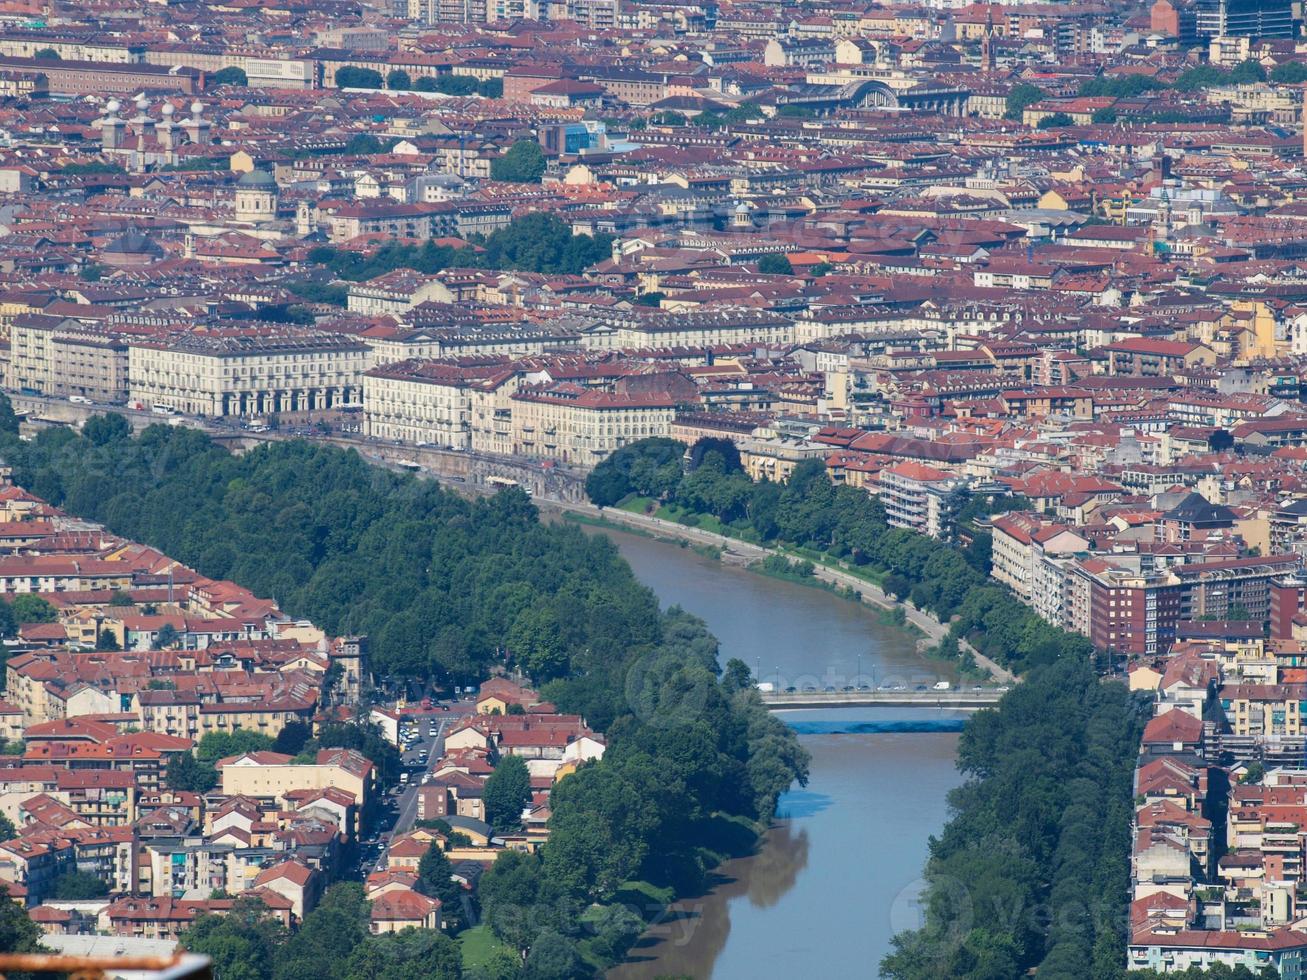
941 700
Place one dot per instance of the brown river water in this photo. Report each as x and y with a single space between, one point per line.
839 872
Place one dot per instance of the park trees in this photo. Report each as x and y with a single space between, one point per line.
351 77
507 791
524 163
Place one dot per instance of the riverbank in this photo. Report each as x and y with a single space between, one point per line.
734 550
811 900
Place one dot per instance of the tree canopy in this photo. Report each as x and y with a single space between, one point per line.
775 264
232 75
1020 98
524 163
533 243
18 933
351 77
506 792
332 943
1043 822
444 588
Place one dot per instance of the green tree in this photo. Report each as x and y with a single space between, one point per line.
18 933
31 608
165 637
75 886
508 893
506 792
775 264
524 163
1289 73
413 954
1247 71
1120 86
1054 121
187 774
491 88
8 418
231 75
650 468
1200 77
222 745
1020 98
555 957
502 964
436 880
616 928
537 642
455 85
364 144
399 79
543 243
47 54
107 640
291 738
351 77
121 600
329 936
242 944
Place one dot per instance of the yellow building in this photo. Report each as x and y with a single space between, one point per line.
1264 710
775 459
271 775
456 405
582 425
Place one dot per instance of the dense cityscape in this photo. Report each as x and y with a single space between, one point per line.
350 350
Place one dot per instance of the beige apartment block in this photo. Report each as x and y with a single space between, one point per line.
460 406
579 425
247 372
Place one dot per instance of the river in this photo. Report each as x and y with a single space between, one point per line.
838 873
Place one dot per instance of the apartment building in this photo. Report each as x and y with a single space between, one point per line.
460 405
272 775
581 425
419 221
1134 608
917 497
396 293
1021 541
248 372
717 328
466 339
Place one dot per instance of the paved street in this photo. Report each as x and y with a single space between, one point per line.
404 805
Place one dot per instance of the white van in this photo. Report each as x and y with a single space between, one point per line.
79 399
943 686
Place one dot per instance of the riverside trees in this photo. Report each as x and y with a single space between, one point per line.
444 587
810 512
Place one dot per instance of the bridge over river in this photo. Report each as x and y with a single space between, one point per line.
943 700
